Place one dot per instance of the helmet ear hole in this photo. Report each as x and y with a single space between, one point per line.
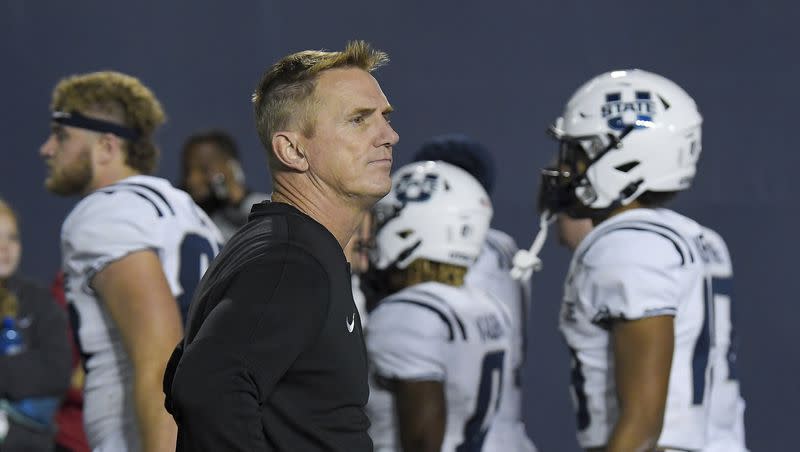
627 166
404 233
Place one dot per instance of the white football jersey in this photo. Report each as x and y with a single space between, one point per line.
492 274
638 264
359 299
431 331
726 418
136 213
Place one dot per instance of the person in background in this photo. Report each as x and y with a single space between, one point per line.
492 273
34 375
133 248
726 417
439 349
212 175
635 312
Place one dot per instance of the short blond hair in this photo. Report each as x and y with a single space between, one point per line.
284 96
120 98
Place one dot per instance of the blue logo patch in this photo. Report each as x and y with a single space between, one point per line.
615 108
414 189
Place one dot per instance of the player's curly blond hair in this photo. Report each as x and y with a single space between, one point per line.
118 98
423 270
284 96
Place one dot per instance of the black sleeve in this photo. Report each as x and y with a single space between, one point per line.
44 368
273 309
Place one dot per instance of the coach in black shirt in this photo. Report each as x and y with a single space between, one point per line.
274 356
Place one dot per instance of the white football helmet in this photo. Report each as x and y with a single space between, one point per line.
635 130
435 211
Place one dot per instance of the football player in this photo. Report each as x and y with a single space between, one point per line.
491 273
726 415
636 314
439 349
133 250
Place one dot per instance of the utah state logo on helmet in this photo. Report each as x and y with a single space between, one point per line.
435 211
615 109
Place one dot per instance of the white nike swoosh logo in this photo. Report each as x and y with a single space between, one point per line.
350 323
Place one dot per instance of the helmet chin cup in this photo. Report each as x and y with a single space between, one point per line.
586 194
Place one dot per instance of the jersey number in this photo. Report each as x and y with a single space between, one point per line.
196 253
702 348
75 326
578 381
721 291
489 392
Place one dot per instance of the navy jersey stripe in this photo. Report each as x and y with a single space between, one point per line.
644 229
666 236
153 203
150 189
451 336
685 242
449 308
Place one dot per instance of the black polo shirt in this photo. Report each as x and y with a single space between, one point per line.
274 357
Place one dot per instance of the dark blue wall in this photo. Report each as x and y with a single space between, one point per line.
497 70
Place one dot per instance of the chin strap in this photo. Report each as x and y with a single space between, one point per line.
527 261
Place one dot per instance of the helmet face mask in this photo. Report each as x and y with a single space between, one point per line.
622 134
565 187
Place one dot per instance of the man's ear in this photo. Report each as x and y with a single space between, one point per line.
107 148
286 148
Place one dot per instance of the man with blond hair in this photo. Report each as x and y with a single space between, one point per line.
274 357
133 248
